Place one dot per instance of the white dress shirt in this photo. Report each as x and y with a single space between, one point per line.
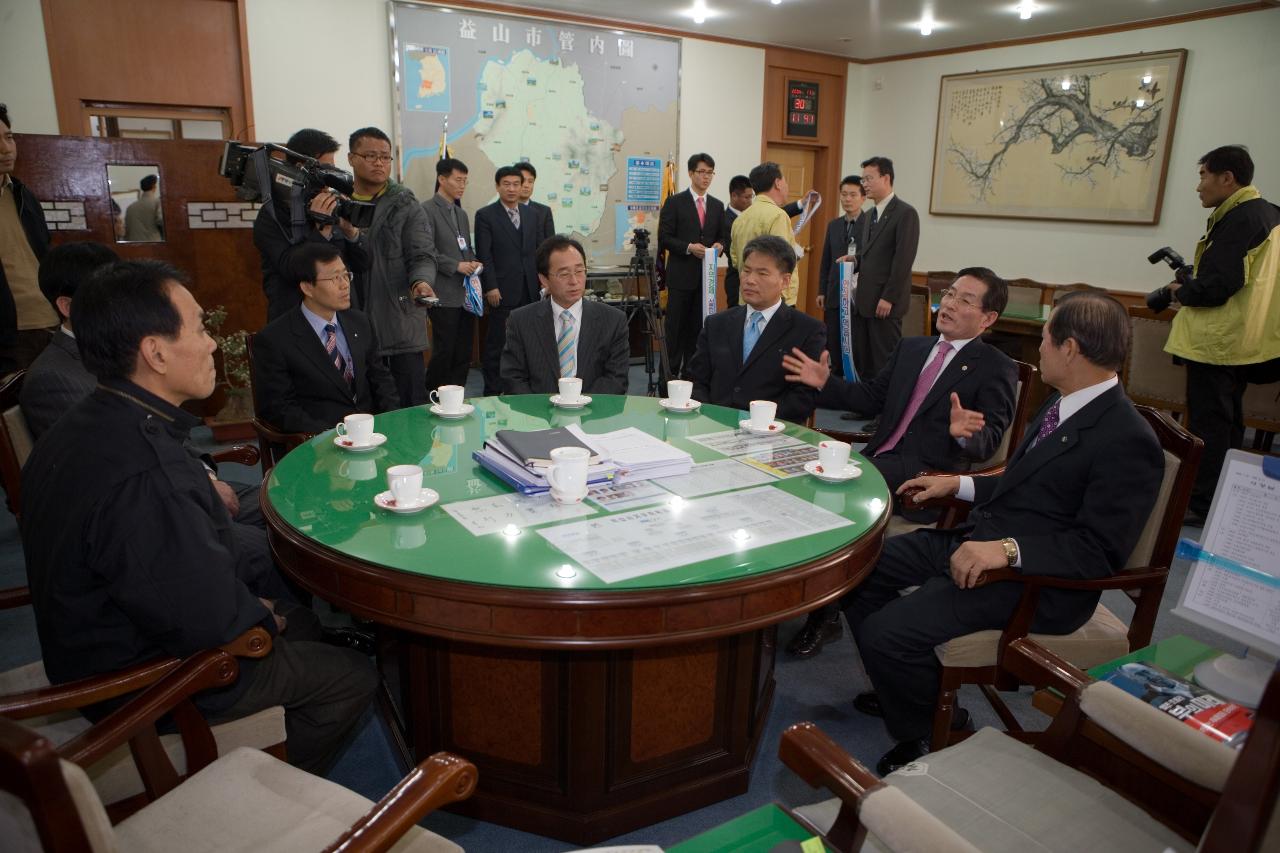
768 315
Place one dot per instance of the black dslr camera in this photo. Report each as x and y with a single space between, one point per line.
294 180
1160 298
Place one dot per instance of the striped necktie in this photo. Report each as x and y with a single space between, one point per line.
565 345
514 213
331 347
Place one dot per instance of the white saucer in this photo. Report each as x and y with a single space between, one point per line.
375 441
690 406
774 428
555 492
583 400
466 409
851 472
425 499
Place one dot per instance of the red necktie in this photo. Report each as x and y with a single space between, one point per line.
702 212
923 384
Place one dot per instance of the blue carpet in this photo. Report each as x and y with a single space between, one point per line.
819 690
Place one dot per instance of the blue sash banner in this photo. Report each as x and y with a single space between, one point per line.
709 262
473 298
848 284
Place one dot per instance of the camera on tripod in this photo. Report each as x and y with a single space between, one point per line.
640 241
290 173
1160 298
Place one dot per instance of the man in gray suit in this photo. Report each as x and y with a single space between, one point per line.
565 335
886 251
144 220
452 328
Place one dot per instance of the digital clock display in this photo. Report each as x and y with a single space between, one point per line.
802 108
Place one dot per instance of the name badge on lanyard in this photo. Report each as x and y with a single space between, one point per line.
462 243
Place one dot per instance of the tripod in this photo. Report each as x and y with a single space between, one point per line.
656 364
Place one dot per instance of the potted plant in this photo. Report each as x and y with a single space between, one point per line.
233 419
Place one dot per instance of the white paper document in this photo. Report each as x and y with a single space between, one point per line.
616 496
490 515
632 544
782 462
718 476
735 443
638 455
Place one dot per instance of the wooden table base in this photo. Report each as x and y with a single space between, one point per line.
586 745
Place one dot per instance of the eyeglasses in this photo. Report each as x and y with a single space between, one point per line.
566 276
373 158
963 298
707 172
345 275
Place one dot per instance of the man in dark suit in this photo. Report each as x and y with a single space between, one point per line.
839 245
316 364
740 196
691 223
886 251
941 403
1071 503
739 354
545 220
565 335
506 242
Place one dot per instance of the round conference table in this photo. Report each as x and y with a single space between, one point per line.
592 702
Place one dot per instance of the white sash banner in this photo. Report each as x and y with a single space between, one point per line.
709 262
848 286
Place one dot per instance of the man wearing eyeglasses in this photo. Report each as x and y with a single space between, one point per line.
318 363
565 335
402 263
691 223
942 403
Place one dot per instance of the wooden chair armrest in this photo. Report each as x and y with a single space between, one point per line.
17 596
243 454
438 780
289 439
816 759
83 692
850 437
1127 579
1035 664
202 671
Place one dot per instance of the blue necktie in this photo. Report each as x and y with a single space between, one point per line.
752 334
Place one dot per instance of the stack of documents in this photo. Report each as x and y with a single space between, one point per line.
521 459
637 455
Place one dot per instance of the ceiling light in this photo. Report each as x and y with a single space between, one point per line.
1066 85
699 12
1146 79
1025 9
926 25
776 2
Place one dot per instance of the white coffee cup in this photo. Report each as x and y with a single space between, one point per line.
448 398
405 482
568 474
679 391
358 469
570 389
357 428
762 413
833 456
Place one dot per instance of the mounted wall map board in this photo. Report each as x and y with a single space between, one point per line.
1086 141
596 111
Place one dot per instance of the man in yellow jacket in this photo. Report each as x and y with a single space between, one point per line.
1228 329
766 215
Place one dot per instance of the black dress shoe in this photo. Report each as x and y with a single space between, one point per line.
869 704
901 755
351 638
819 629
852 416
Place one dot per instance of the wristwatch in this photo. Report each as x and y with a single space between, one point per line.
1010 550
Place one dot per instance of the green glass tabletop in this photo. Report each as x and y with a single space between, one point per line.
327 495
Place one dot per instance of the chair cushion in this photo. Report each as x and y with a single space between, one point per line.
19 434
1140 557
1002 795
1102 638
249 801
115 775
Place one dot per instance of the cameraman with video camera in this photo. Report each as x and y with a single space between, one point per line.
273 232
1227 331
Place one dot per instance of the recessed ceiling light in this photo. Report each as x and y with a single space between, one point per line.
1025 9
776 2
926 25
699 12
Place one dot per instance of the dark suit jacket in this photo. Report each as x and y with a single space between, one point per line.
1076 502
55 382
508 253
720 377
546 222
678 227
297 386
885 255
835 246
985 378
531 364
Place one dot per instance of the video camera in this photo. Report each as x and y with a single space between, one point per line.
640 242
294 178
1160 298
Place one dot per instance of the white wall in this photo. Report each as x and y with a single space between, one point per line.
1229 95
26 84
721 109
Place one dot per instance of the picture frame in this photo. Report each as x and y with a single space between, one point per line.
1084 141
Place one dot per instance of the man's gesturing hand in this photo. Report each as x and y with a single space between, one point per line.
965 423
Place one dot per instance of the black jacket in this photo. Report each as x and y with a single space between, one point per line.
678 227
721 377
129 550
507 253
272 235
31 215
1221 270
298 388
835 245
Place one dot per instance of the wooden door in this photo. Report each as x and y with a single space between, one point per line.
798 168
